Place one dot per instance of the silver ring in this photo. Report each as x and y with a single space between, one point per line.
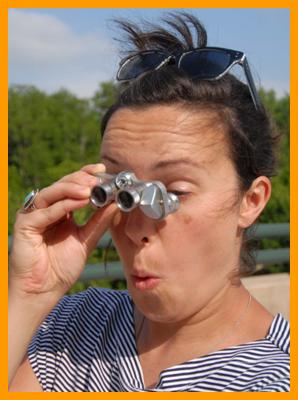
28 203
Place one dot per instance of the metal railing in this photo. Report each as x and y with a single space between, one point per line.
260 231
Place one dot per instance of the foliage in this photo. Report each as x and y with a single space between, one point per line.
51 135
278 209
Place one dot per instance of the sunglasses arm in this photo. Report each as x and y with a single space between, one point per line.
251 84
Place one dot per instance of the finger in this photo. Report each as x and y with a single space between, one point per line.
40 220
63 189
94 168
59 191
93 230
80 177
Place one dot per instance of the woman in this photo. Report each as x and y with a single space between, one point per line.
186 322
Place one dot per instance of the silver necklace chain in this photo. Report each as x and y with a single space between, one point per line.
235 324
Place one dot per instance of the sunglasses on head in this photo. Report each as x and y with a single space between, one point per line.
208 63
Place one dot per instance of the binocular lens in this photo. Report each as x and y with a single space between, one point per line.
128 192
126 200
98 196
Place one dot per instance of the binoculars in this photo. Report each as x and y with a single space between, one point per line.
128 192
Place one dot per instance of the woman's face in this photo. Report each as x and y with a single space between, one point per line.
174 267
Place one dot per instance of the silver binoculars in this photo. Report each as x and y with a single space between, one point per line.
128 192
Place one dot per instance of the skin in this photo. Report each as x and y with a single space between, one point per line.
206 233
48 255
194 252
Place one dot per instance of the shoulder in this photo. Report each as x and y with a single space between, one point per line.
279 334
93 303
97 295
262 365
95 298
82 317
79 327
275 362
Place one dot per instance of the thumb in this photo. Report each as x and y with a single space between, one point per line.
93 230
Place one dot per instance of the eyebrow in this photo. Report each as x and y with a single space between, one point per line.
162 163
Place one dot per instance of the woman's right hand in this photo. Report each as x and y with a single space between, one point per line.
49 250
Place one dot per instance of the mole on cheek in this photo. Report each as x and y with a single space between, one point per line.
187 219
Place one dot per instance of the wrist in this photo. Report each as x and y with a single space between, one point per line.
32 290
31 303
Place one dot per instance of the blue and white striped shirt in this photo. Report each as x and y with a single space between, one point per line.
87 344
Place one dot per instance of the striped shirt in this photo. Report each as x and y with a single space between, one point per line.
87 344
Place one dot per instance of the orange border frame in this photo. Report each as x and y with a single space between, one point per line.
4 6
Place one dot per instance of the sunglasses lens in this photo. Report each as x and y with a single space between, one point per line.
139 64
205 64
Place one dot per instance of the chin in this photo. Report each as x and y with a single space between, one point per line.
155 306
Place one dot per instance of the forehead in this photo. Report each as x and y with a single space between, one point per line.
163 132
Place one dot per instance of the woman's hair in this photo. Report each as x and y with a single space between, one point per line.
250 135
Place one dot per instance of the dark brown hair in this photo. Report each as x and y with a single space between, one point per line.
250 133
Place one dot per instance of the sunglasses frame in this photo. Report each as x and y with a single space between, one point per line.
237 57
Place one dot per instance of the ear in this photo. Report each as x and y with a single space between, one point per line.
254 201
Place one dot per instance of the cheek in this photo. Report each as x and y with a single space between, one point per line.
196 230
182 229
187 219
207 233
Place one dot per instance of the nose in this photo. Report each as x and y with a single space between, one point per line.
139 228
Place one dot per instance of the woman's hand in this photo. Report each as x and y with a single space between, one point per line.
48 254
49 250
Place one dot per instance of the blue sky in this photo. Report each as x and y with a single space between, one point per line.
74 48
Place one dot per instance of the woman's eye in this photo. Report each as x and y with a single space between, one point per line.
178 193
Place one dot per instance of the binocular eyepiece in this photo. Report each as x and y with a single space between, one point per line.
128 192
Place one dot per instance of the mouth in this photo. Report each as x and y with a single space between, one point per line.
143 281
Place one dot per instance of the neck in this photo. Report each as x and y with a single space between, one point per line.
221 323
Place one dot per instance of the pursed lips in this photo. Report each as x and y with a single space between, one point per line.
144 280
